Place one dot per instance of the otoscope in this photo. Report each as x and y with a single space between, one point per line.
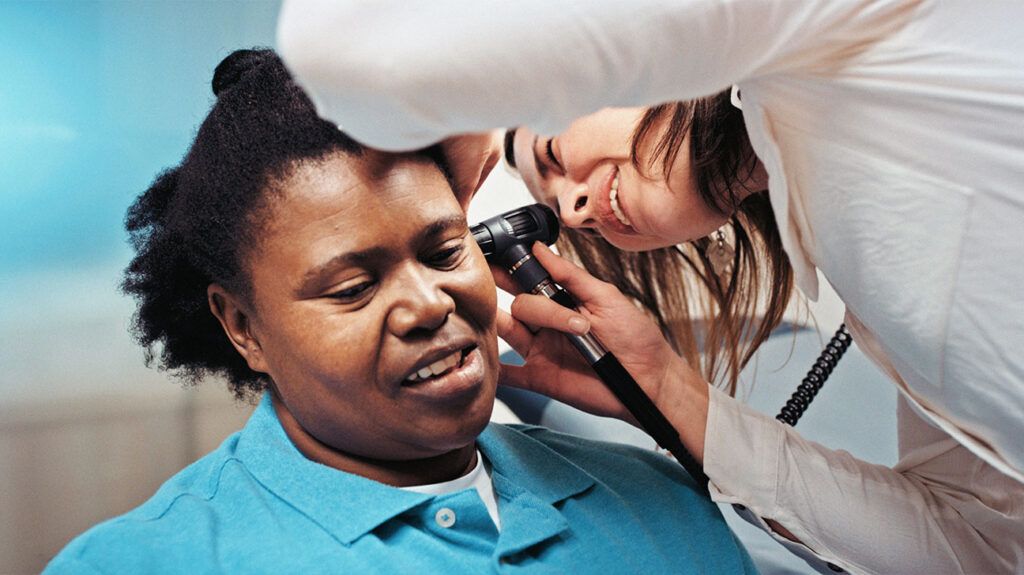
505 241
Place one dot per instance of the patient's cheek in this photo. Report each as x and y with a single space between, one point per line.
481 295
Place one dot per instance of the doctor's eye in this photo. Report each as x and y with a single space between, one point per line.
509 148
549 151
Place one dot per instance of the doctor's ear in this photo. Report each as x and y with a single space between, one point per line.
234 317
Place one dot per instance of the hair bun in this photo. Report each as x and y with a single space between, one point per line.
236 65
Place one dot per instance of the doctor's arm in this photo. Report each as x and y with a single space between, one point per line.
403 75
939 510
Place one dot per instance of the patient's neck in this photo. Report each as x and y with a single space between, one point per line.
400 473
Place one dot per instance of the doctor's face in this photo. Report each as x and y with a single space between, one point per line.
587 175
374 309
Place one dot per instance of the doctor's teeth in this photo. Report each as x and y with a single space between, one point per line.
613 198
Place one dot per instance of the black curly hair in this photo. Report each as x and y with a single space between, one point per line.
195 223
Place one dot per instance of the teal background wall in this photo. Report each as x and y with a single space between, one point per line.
95 98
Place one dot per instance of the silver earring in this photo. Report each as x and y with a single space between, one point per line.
721 254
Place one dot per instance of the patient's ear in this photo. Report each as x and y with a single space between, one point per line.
233 316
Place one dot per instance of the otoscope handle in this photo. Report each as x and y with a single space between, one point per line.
647 414
627 390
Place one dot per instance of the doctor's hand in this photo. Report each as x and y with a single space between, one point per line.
471 157
554 368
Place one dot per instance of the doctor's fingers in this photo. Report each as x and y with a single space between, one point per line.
539 311
514 333
585 287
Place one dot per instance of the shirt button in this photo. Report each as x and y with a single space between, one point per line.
445 517
834 567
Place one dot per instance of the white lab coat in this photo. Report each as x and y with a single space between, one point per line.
893 136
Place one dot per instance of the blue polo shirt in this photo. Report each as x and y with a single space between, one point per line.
257 505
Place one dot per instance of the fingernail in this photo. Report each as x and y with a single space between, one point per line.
578 325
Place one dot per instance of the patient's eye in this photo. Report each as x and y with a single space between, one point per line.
352 294
448 256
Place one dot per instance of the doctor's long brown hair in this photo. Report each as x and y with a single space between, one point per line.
714 322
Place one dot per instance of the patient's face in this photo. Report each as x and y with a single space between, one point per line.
375 309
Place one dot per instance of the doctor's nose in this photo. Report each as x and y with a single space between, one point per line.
577 206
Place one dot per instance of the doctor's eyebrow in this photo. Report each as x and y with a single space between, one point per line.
510 154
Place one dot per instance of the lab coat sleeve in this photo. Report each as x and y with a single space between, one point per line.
941 509
402 75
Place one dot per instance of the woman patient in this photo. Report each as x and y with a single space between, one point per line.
341 285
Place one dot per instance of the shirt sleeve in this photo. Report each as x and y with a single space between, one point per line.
62 565
941 509
400 75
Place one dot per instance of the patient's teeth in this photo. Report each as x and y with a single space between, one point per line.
437 368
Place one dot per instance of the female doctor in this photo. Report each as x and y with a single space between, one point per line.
890 137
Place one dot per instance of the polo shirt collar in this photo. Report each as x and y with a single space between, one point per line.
348 506
521 463
344 504
533 478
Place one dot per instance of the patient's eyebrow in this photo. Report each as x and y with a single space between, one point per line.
440 226
363 258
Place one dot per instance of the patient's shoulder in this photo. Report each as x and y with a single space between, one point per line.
641 490
605 450
161 530
617 464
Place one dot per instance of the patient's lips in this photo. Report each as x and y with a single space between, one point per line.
456 373
439 367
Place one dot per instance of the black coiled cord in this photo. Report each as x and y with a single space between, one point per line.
816 377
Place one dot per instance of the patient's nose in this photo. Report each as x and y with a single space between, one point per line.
423 304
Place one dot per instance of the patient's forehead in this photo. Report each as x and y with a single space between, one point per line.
377 207
340 172
364 186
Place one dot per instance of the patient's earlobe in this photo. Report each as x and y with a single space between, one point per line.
238 328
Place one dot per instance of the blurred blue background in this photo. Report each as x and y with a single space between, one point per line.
96 97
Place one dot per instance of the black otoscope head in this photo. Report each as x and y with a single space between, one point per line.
506 240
